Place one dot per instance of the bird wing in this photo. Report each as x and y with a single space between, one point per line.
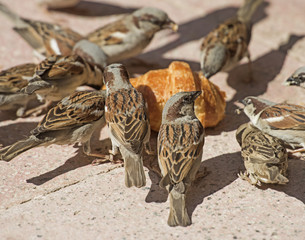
179 145
128 118
111 34
58 67
15 78
76 110
258 147
284 116
230 33
48 38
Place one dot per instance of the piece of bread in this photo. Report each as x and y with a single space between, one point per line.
157 86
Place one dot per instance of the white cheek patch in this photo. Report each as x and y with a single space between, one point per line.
54 46
106 108
275 119
119 35
97 112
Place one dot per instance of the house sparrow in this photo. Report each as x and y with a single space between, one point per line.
283 121
265 157
58 76
127 118
224 47
45 38
180 142
11 81
297 78
128 36
72 120
58 4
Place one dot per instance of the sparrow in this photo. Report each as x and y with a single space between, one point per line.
11 81
58 76
128 36
128 123
180 143
45 38
225 46
72 120
297 78
283 121
58 4
265 157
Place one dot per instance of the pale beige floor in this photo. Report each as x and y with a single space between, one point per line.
54 192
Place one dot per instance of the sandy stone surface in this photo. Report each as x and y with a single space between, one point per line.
55 193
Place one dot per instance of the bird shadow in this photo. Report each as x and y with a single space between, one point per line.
265 69
94 9
193 30
221 171
155 194
79 160
16 131
295 187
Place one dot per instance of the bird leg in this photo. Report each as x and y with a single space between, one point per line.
298 150
104 158
148 150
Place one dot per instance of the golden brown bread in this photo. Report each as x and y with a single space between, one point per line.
157 86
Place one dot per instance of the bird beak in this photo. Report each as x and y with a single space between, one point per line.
171 25
290 82
243 102
196 94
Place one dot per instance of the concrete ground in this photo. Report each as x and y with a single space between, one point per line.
54 192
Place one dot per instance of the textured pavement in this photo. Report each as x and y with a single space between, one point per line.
54 192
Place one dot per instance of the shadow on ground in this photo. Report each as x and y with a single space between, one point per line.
75 162
192 30
265 70
295 187
95 9
16 131
222 171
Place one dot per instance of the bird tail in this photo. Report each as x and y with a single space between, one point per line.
246 11
17 20
134 171
35 84
10 152
178 213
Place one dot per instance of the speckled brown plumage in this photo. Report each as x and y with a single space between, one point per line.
128 36
265 157
45 38
180 142
74 119
12 80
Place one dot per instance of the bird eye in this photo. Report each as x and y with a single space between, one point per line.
187 99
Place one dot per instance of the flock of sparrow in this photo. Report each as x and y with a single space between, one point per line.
71 60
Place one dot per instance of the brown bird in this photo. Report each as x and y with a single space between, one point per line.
283 121
180 142
58 76
11 81
265 157
297 78
224 47
129 36
127 118
74 119
45 38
